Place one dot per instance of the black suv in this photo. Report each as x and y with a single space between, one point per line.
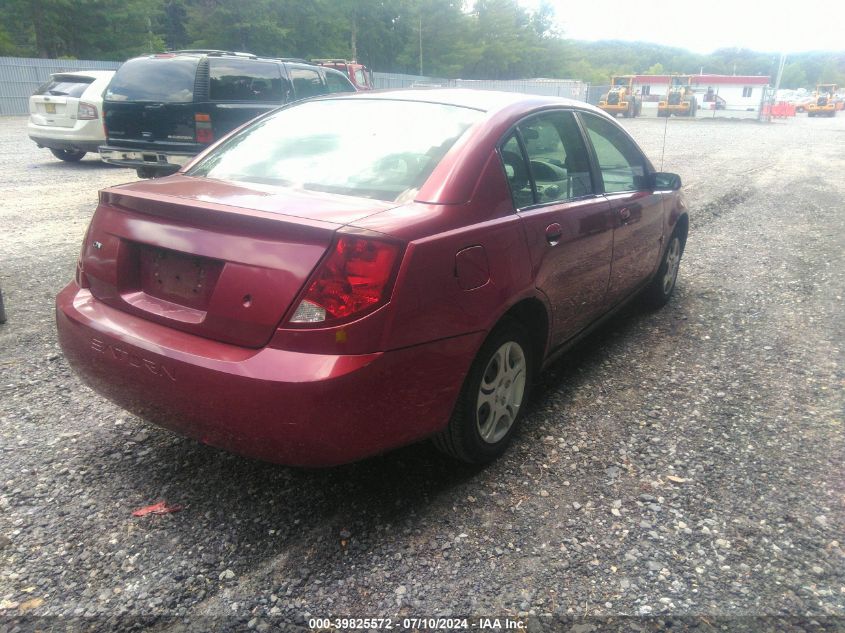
161 110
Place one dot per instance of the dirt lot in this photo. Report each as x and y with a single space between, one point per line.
687 462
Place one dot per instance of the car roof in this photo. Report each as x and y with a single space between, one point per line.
489 101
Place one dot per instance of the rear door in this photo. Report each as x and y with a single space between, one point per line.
568 223
637 210
149 104
55 104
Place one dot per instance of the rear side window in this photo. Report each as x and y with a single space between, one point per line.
162 79
306 83
558 166
336 82
241 80
65 86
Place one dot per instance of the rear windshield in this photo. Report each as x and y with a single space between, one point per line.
65 86
369 148
163 79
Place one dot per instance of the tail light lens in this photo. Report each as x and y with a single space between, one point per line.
86 111
204 132
355 279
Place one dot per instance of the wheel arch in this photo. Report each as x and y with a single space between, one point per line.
533 314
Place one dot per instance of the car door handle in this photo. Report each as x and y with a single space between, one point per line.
553 234
624 214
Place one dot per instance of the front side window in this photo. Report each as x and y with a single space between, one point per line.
306 83
622 165
388 154
242 80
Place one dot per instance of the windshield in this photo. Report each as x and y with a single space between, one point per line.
369 148
164 79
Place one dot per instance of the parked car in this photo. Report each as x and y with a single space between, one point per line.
163 109
64 113
312 292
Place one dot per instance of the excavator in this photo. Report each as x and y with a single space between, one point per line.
620 99
824 102
680 100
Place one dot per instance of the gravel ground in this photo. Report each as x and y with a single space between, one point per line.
686 463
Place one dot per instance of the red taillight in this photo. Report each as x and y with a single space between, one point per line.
86 111
355 279
204 132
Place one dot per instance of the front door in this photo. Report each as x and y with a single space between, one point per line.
637 210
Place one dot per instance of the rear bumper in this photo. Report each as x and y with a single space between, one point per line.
69 144
154 160
86 136
281 406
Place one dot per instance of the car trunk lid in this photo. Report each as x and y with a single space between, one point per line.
179 253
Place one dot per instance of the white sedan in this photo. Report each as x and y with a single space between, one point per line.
65 113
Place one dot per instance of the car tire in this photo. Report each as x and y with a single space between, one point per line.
659 291
68 155
493 397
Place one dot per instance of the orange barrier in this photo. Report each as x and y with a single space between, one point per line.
780 110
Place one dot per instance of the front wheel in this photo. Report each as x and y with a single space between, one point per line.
491 401
658 292
68 155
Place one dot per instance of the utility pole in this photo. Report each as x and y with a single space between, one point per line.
421 64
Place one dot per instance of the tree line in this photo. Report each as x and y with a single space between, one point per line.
484 39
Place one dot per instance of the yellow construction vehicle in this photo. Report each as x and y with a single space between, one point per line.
823 103
621 99
680 99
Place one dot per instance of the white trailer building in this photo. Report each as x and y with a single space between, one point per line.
730 92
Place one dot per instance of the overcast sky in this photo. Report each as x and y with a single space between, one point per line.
705 25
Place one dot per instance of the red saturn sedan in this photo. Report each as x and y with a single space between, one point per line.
351 274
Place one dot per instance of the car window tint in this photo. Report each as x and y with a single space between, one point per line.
557 157
336 82
516 171
306 83
242 80
65 86
164 79
621 164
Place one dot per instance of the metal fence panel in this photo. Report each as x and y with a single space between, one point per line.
568 88
21 76
395 81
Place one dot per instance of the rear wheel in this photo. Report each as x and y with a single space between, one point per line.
68 155
491 401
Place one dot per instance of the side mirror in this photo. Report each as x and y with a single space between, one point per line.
664 181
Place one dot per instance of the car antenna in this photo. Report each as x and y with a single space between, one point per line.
663 149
